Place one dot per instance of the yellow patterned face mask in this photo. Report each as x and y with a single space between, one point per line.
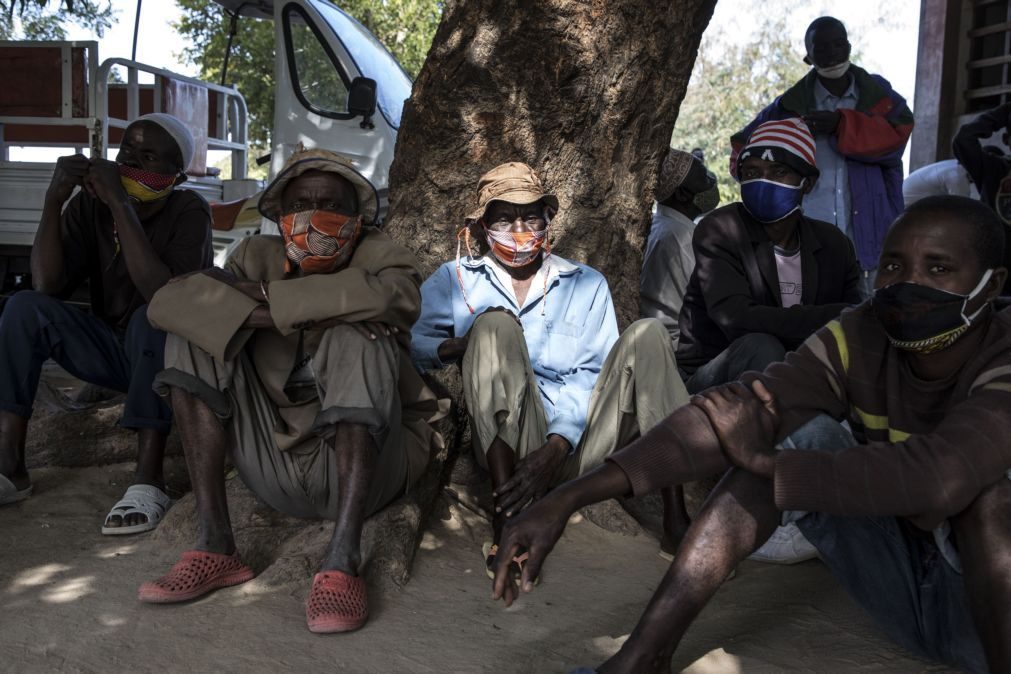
145 186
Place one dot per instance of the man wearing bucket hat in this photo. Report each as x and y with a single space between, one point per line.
125 233
766 278
295 360
551 389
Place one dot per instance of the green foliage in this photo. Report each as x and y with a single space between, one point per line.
405 27
732 81
44 20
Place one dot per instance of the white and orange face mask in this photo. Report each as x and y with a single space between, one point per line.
516 249
319 242
513 249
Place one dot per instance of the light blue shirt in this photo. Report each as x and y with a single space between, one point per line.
830 198
568 336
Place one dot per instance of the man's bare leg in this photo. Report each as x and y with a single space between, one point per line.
675 519
150 457
13 430
983 531
356 456
737 518
203 440
501 464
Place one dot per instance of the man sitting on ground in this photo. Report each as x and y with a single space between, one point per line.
989 168
550 388
126 233
295 359
766 277
909 511
685 191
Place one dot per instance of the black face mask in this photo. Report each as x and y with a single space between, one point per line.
922 319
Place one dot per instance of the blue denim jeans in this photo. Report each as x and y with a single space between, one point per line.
747 353
34 327
892 569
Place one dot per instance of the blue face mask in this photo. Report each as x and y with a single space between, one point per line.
769 201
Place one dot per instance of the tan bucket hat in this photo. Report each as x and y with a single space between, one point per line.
318 159
513 182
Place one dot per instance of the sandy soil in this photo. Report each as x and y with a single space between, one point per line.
68 603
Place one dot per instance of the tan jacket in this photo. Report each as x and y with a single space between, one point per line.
381 284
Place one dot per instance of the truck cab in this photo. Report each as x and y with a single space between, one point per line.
336 87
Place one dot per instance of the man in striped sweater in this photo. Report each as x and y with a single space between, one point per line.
909 510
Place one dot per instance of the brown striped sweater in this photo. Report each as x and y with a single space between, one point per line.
927 448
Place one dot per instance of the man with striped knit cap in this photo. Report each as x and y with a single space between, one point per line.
861 126
766 277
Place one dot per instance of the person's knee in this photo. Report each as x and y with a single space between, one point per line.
497 323
822 433
759 350
647 331
24 305
986 517
139 322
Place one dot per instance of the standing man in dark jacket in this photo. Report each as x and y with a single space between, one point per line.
861 127
990 171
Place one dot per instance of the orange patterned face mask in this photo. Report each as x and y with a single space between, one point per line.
318 242
516 249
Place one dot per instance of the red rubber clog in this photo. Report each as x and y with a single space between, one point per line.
336 603
194 575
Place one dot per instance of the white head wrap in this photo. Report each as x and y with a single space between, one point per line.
174 127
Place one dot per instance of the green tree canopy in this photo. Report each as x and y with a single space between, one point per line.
406 27
732 81
46 20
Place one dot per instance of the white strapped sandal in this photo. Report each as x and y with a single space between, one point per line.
149 501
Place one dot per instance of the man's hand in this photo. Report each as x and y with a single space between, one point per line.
532 477
823 121
745 422
103 180
70 172
536 531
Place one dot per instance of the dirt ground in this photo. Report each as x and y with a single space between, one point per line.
68 603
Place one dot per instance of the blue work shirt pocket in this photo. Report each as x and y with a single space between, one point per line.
560 349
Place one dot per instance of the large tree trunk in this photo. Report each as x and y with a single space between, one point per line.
586 92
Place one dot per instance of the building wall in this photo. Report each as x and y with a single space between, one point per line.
963 68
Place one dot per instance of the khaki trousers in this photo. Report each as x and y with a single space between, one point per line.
638 386
284 453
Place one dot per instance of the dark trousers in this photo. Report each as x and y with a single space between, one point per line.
750 352
34 327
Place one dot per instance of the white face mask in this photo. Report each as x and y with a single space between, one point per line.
834 72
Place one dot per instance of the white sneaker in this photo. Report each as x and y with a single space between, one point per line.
786 546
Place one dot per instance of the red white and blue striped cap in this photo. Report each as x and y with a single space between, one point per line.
786 141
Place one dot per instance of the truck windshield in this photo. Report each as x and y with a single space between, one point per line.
371 59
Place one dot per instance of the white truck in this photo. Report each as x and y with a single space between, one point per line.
336 87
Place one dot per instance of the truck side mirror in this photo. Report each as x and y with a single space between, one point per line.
362 100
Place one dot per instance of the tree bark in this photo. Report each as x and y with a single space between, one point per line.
586 92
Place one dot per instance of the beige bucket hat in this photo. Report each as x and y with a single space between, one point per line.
318 159
513 182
